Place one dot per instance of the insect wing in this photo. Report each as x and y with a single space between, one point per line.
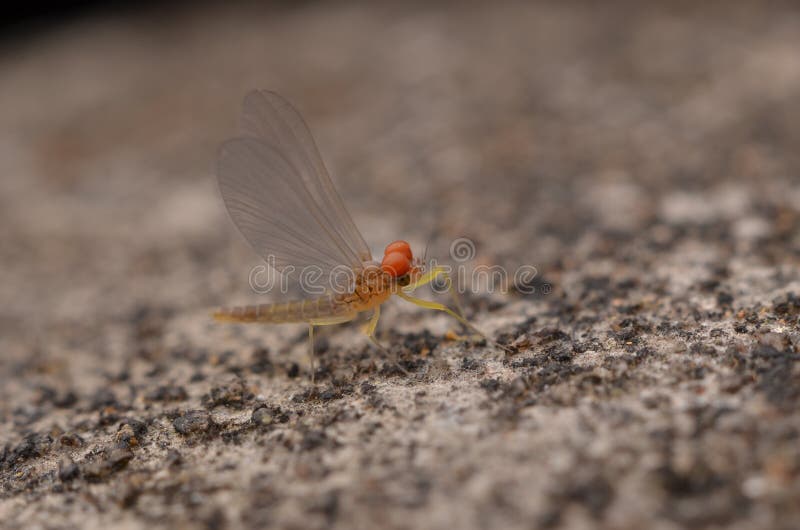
269 116
280 196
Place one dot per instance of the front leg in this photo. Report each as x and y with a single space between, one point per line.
439 307
427 278
459 315
430 276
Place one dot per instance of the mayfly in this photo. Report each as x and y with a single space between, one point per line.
280 196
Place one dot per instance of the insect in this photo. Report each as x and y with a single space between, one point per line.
279 194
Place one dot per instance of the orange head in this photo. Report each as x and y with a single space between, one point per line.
397 259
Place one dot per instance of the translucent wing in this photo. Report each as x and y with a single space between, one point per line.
279 194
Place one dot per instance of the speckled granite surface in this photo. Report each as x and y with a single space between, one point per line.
644 159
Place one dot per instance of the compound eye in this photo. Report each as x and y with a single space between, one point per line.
396 264
399 246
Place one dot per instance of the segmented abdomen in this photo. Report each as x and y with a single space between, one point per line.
297 311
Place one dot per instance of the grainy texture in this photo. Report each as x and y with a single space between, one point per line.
643 157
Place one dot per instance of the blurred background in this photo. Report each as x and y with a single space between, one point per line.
634 153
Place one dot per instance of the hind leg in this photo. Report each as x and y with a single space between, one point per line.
369 331
322 322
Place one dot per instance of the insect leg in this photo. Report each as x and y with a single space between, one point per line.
432 275
322 322
426 278
311 351
427 304
373 322
369 331
370 328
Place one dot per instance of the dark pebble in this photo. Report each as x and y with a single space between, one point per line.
103 398
467 363
233 394
724 299
168 393
32 446
113 460
262 417
70 440
174 458
68 470
490 385
139 427
119 457
261 362
66 400
293 371
312 440
329 395
193 422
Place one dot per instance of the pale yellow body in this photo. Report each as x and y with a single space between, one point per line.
372 289
312 310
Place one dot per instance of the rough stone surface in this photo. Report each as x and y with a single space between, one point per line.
644 158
